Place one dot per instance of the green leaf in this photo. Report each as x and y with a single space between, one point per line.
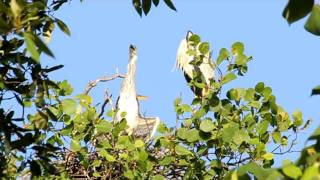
312 172
297 9
143 156
207 126
229 77
192 135
186 108
237 48
204 47
75 145
170 4
124 142
146 6
249 94
137 6
155 2
182 133
229 132
69 106
104 127
106 155
276 136
292 171
180 150
37 42
138 143
194 39
65 88
223 54
31 47
315 135
241 59
63 27
266 93
96 174
96 163
240 136
268 156
255 169
312 25
166 160
259 87
316 91
158 177
262 127
297 118
129 174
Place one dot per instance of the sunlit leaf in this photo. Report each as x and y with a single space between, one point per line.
31 47
292 171
204 47
223 55
268 156
64 28
158 177
75 145
180 150
262 127
237 48
192 135
69 106
229 77
207 126
312 25
138 143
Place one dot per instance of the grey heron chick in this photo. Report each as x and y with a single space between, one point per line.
127 102
147 127
206 69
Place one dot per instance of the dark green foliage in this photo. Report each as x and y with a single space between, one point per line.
145 5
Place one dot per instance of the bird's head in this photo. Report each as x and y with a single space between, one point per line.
132 50
189 34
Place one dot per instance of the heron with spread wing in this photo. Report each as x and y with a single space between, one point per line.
205 69
127 105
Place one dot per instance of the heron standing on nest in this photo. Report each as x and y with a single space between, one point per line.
128 105
205 69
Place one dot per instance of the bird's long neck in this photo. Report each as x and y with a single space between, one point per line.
129 81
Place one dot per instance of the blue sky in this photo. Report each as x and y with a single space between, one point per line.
285 58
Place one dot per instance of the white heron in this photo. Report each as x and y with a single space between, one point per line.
206 69
128 105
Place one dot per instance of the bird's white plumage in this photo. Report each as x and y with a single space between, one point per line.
127 101
183 60
143 127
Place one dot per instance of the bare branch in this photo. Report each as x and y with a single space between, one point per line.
94 83
107 100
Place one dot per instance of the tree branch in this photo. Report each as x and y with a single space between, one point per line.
94 83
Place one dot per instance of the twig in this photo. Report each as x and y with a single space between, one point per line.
107 100
238 162
94 83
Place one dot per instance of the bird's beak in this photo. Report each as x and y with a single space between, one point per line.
189 34
142 98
